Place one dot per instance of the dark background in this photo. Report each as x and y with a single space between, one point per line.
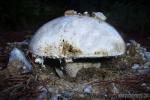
128 16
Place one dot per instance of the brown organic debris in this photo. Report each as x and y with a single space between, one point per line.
69 49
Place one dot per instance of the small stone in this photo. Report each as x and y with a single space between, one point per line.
43 93
53 97
70 12
147 64
143 84
67 94
86 13
135 66
146 69
99 15
143 70
147 56
87 89
18 63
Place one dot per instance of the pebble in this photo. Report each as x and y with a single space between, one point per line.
143 69
67 94
87 89
53 97
18 60
135 67
43 93
147 56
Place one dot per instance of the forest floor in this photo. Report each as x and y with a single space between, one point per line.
116 78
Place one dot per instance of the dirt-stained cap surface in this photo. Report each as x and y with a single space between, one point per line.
77 36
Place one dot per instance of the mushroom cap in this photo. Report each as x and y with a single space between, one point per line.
77 36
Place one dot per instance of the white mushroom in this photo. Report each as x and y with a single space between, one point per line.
76 37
